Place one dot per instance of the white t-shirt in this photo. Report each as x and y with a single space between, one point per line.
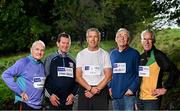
92 64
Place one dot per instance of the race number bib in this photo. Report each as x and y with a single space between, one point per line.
144 71
119 68
92 70
65 72
38 82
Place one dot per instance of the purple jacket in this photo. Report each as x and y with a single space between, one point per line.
30 77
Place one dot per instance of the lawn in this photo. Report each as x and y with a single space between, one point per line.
167 40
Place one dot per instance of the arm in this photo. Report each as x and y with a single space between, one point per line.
80 79
75 84
107 78
83 83
167 66
107 72
135 84
47 85
10 73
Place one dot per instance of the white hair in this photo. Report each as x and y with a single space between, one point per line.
123 30
149 31
95 30
38 42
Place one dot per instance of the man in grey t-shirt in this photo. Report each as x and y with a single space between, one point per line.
93 72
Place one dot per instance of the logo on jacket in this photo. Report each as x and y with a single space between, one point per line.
71 64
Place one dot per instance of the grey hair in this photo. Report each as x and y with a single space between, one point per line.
123 30
149 31
38 42
94 30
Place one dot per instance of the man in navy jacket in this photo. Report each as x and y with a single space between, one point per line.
60 83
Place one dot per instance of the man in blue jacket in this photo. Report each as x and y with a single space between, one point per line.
125 81
60 69
28 86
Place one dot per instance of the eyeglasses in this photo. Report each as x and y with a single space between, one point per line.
150 39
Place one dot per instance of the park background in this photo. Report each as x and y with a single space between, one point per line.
24 21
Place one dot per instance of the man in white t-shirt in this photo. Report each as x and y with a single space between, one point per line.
93 72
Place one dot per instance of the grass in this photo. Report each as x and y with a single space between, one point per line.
167 40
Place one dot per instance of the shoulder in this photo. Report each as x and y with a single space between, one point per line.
71 58
103 53
161 56
157 52
83 51
23 60
50 57
133 50
114 51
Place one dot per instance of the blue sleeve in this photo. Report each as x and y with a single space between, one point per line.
135 84
9 74
75 85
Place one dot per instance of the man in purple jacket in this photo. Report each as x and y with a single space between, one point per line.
30 77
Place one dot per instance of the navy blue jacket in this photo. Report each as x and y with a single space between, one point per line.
60 86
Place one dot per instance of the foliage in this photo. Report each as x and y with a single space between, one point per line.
167 13
76 16
18 29
22 21
171 8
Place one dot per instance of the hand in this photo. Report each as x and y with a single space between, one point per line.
70 99
24 96
54 100
95 90
88 94
129 92
159 92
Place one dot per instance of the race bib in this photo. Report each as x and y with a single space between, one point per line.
144 71
119 68
38 82
65 72
92 70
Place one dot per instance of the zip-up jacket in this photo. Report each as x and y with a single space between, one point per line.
29 81
61 86
163 65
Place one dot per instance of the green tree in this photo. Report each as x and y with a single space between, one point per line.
76 16
168 10
18 28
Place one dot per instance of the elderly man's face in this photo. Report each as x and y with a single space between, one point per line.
147 41
37 51
122 39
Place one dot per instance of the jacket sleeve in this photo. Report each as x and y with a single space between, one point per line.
75 86
167 66
135 84
48 90
9 74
